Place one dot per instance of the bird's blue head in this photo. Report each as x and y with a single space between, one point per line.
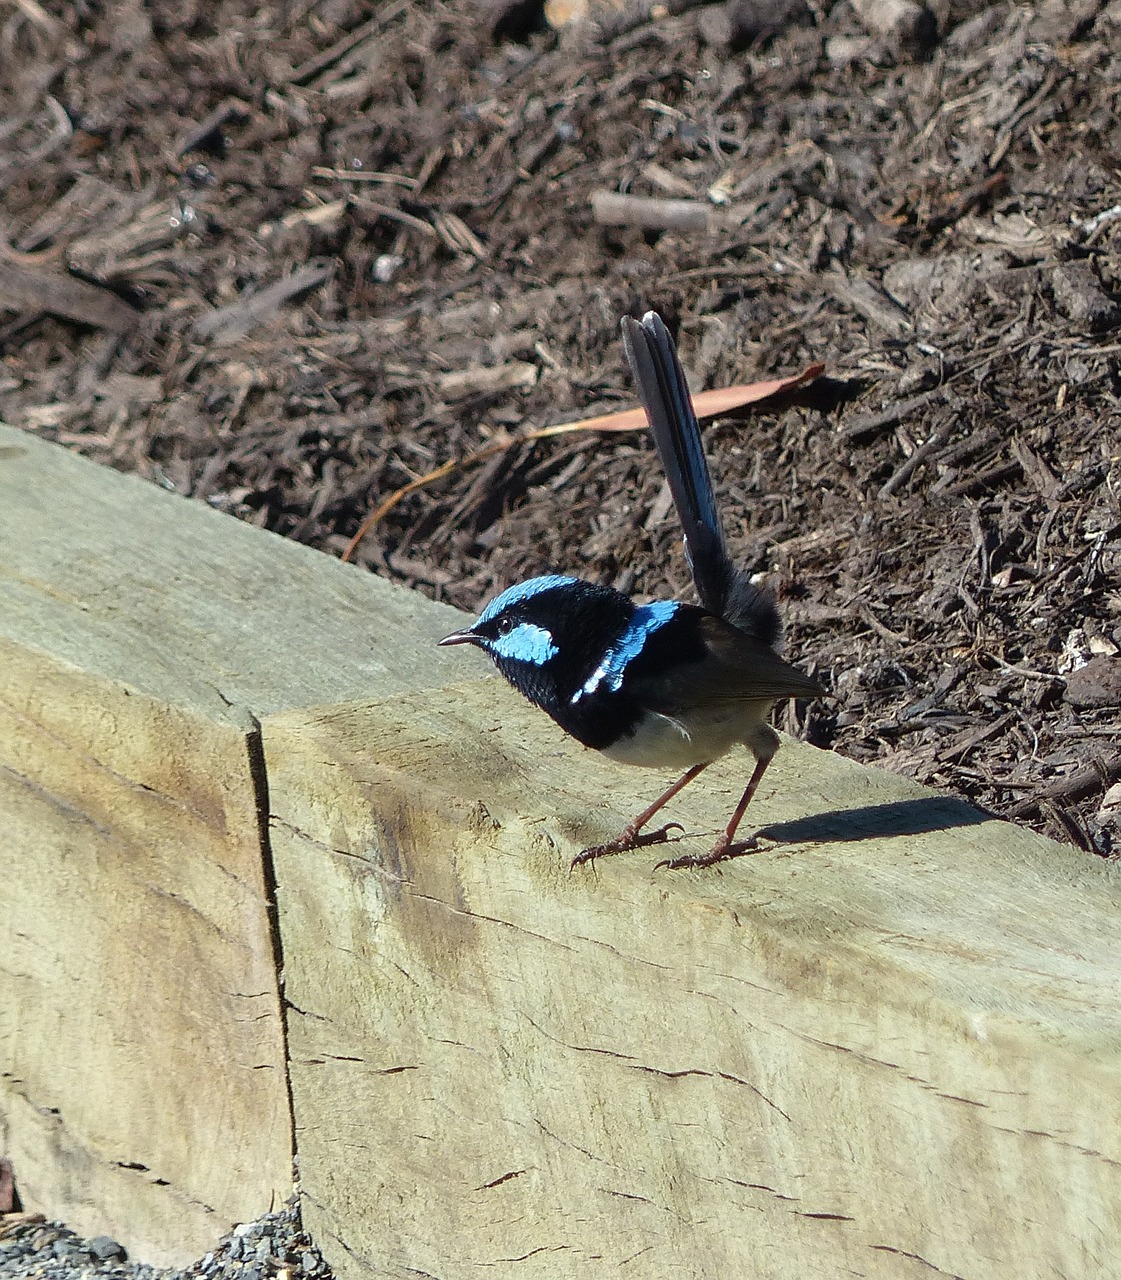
535 629
565 644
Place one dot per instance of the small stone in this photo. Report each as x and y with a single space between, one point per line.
106 1249
1080 297
1096 684
386 267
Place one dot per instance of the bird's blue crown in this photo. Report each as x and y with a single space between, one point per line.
521 592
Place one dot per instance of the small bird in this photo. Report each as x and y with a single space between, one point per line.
665 685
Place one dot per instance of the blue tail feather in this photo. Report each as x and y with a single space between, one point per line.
723 589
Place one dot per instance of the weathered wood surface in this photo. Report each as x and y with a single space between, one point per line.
890 1044
142 1067
143 1081
188 605
889 1048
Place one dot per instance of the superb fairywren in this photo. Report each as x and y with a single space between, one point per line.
666 685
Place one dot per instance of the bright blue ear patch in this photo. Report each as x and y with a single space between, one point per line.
645 620
519 593
527 642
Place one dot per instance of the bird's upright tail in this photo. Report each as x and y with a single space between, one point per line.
723 589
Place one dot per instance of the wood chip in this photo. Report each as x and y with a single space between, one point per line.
36 290
207 133
515 375
649 213
1085 782
228 324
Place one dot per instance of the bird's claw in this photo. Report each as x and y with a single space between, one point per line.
720 852
624 842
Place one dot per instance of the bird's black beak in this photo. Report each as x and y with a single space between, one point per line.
466 636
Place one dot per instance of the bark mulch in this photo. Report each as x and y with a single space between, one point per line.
287 258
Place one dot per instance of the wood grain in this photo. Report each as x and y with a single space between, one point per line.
887 1047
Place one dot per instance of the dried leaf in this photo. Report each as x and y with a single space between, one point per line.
709 404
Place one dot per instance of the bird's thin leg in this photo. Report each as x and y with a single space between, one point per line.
726 847
629 837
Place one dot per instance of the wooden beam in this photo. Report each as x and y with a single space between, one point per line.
142 1069
887 1047
890 1045
143 1079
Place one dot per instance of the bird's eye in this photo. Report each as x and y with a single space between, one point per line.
504 626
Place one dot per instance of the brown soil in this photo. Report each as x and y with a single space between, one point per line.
285 258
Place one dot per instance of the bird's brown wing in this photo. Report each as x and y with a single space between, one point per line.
736 668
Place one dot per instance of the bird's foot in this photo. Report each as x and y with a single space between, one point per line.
721 851
628 839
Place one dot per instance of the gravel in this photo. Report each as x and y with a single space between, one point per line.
274 1245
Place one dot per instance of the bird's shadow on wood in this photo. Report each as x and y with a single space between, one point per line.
899 818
